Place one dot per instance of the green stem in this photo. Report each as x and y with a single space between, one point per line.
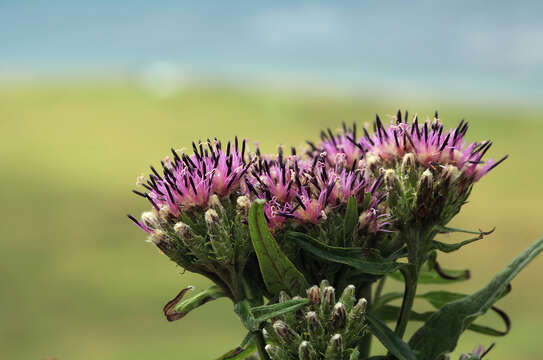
410 274
261 345
364 346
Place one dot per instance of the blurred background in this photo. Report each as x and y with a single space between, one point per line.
92 93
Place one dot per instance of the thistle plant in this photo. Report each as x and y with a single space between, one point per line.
349 212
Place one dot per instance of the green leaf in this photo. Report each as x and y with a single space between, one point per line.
176 309
240 353
390 313
453 247
349 256
389 339
278 272
351 220
432 277
453 318
266 312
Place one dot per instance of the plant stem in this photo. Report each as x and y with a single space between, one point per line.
364 346
410 274
261 345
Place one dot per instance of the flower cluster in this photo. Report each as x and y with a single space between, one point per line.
325 329
430 144
264 226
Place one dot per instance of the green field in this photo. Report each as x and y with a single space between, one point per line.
79 282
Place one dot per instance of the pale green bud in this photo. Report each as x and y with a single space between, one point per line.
372 162
150 220
426 179
314 294
185 233
348 297
275 353
314 325
214 203
165 214
391 180
306 351
327 301
334 351
211 217
339 316
408 162
243 204
162 241
286 334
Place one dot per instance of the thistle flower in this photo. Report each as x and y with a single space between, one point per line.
430 144
199 212
327 330
341 147
189 181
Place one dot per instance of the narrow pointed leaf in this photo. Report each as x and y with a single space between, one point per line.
353 257
266 312
239 353
453 318
278 272
390 313
177 308
432 277
389 339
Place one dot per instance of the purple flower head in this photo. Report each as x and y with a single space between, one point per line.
189 181
274 178
430 143
341 147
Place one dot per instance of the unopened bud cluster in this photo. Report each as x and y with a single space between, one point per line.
329 327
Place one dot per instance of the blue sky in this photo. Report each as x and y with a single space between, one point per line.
467 46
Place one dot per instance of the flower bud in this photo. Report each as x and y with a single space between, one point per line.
450 174
211 217
348 297
165 214
327 301
324 283
372 162
334 351
314 325
214 203
339 316
306 351
356 317
426 180
243 204
391 180
161 240
314 294
275 353
285 333
185 233
150 220
408 162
